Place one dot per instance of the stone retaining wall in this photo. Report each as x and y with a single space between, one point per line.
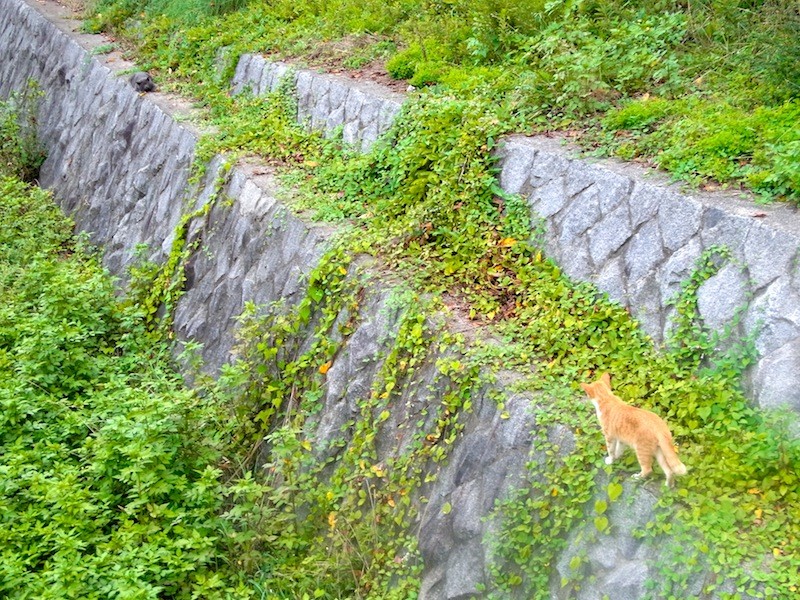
630 232
638 238
116 162
363 110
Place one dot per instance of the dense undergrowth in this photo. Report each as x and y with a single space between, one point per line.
706 90
426 203
110 479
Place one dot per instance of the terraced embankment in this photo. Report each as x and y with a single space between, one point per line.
441 440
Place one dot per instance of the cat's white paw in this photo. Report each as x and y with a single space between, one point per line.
636 476
609 460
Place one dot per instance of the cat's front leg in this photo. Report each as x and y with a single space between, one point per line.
614 450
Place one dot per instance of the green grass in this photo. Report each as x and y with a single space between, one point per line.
726 72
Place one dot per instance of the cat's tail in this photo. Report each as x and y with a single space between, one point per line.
670 456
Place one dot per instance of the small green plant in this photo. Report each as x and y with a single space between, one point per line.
21 153
103 49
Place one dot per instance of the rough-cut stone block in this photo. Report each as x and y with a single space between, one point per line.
722 296
574 259
515 164
549 198
721 228
581 178
679 218
370 109
768 254
252 75
609 188
337 92
512 430
582 212
320 87
320 110
612 189
644 251
646 305
612 281
608 236
238 81
468 510
335 119
775 316
369 135
352 105
256 73
465 571
304 102
548 166
627 581
777 378
350 132
645 199
387 115
249 198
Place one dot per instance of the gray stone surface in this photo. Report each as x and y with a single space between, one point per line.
362 111
722 296
779 392
483 469
104 141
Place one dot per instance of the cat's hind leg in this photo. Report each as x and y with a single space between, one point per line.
619 448
645 457
662 462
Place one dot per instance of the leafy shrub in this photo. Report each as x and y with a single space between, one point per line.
639 114
109 473
590 65
403 64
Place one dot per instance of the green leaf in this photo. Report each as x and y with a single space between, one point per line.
316 293
614 491
601 523
600 506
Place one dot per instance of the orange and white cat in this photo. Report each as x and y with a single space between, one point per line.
625 425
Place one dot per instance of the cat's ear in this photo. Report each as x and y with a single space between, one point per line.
606 378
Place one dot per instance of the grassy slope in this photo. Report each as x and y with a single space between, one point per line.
707 90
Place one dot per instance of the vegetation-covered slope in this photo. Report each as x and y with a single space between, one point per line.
427 204
707 90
